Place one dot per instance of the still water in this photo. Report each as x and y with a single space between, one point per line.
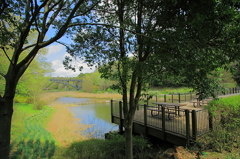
96 114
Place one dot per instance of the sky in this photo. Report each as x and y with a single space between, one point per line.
56 54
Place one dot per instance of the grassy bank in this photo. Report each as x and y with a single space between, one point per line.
54 130
62 124
64 127
22 113
52 96
29 138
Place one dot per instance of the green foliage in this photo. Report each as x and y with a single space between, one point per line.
166 79
92 82
53 86
165 38
226 123
39 104
35 141
20 99
18 19
236 72
33 149
113 147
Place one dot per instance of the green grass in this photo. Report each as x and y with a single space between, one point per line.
29 138
169 90
108 149
226 125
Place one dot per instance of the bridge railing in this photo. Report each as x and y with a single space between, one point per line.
190 124
181 97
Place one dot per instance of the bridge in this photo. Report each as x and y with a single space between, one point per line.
77 82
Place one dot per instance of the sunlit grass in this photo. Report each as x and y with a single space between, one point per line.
27 122
169 90
29 138
64 127
52 96
21 112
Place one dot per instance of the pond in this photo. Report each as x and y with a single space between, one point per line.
96 114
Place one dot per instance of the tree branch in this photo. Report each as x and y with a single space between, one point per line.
6 55
55 13
64 44
91 8
41 44
26 30
35 19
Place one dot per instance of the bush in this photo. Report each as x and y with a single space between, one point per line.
20 99
38 105
112 148
226 124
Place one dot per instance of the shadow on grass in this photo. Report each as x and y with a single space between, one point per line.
32 149
111 148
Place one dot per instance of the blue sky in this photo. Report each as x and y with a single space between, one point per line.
56 55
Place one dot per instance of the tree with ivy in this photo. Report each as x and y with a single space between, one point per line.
143 39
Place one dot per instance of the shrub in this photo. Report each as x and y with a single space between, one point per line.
112 148
226 124
39 104
20 99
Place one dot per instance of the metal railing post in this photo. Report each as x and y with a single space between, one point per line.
163 123
179 97
111 110
194 125
187 127
121 121
145 120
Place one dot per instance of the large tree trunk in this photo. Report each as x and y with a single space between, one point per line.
6 111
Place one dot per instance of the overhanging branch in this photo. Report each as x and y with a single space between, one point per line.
6 55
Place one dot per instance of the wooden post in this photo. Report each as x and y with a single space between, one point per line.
111 110
164 97
145 120
156 99
172 98
121 121
194 125
210 121
163 123
187 127
179 97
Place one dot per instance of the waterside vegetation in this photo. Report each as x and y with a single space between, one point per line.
55 133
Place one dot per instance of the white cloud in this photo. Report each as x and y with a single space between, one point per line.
66 54
56 55
52 49
60 71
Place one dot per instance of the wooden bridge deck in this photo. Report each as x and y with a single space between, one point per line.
180 130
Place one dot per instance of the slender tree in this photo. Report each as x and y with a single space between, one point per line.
16 23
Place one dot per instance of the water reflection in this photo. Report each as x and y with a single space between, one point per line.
98 115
